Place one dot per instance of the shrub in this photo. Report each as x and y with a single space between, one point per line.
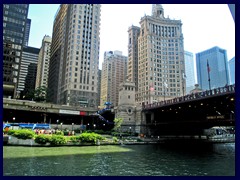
11 131
139 140
58 140
65 133
24 134
42 139
59 133
90 137
115 139
74 139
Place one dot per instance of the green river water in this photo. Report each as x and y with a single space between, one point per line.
128 160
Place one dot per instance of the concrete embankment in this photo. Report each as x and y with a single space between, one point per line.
11 140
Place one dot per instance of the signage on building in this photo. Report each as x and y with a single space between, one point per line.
62 111
215 117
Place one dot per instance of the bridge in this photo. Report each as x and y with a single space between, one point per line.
31 112
191 114
17 111
187 115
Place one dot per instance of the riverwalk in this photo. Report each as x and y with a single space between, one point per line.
11 140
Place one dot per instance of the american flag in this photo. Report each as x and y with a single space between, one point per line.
151 88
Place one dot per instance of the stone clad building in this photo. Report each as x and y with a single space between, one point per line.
74 62
160 57
127 108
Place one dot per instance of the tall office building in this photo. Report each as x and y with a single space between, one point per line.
73 72
132 74
160 58
232 10
190 71
212 68
27 32
28 71
43 62
99 86
114 72
231 64
14 27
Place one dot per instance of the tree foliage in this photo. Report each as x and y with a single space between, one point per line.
117 124
39 94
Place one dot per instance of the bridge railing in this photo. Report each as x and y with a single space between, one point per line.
207 93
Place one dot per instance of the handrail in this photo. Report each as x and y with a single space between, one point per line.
207 93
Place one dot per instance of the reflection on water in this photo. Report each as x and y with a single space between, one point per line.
132 160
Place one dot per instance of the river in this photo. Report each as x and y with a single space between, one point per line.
126 160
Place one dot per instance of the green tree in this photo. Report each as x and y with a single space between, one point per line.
117 124
40 93
30 95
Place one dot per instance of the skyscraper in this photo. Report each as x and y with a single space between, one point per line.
28 71
14 27
232 10
99 86
73 72
212 68
27 32
190 71
43 62
232 70
114 72
132 74
160 57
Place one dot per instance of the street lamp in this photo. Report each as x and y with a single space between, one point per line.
72 126
94 126
57 123
130 129
14 119
61 126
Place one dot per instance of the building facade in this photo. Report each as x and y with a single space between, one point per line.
114 72
232 10
28 71
132 73
27 32
189 77
14 27
99 86
43 62
231 64
126 107
75 55
212 68
160 58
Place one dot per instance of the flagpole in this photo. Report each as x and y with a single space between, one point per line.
208 70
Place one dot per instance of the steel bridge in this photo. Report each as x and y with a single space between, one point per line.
191 114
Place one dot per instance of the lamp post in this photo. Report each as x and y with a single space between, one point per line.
72 126
61 126
94 126
130 129
13 119
57 123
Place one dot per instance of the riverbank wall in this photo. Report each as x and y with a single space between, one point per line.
13 141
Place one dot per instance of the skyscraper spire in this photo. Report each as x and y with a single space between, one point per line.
157 11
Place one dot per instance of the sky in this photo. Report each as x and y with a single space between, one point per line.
203 25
